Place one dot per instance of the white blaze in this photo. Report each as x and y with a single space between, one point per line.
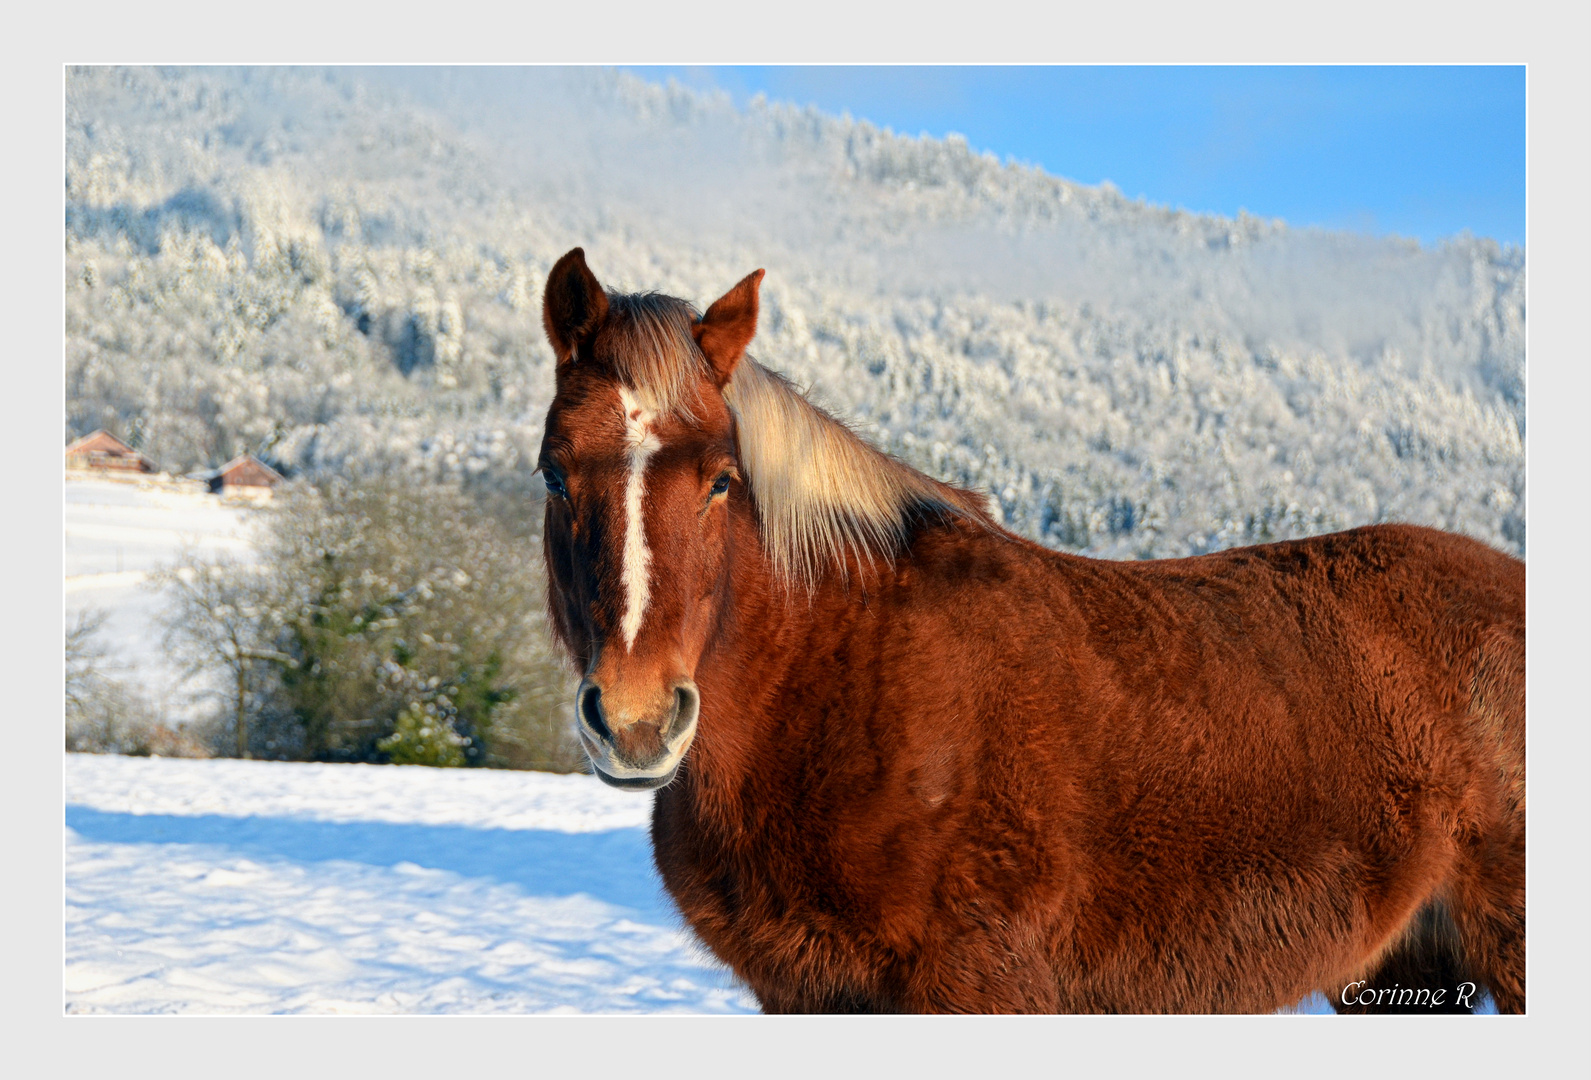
642 444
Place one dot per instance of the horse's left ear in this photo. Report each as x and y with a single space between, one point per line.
728 327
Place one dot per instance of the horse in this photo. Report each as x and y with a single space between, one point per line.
904 760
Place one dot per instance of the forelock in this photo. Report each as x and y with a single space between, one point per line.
647 338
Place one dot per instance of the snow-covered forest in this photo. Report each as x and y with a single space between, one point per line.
340 270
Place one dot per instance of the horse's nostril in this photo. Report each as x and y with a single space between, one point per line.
591 711
686 702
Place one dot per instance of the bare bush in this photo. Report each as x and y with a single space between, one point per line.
106 714
220 621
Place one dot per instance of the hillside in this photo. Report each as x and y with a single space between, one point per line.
341 269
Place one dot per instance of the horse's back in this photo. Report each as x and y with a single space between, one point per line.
1440 614
1424 601
1385 647
1347 635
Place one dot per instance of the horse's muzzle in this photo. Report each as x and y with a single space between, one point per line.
637 749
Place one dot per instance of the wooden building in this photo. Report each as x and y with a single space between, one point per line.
246 476
104 452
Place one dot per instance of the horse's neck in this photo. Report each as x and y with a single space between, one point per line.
747 665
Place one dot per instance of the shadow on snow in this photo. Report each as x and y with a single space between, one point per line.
614 866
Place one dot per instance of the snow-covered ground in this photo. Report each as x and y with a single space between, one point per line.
273 887
115 533
269 887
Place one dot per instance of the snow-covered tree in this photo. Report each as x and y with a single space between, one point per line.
341 270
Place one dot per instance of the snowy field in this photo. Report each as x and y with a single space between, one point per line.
115 533
266 887
254 887
270 887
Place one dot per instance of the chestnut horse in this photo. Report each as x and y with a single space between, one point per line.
906 761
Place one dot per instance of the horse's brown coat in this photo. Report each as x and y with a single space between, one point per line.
987 776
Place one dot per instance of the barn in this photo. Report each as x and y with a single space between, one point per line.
103 452
245 476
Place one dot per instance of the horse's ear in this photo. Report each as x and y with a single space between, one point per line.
573 305
728 327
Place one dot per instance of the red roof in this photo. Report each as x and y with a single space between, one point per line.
100 442
248 471
101 449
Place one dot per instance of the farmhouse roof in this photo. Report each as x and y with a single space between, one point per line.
101 447
246 470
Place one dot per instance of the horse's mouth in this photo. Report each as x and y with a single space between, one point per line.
617 773
636 783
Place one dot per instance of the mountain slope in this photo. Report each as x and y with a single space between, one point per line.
341 268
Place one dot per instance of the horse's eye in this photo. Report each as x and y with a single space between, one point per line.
554 484
721 485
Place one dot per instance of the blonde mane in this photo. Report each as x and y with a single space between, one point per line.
823 496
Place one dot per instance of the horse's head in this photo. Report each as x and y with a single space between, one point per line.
639 459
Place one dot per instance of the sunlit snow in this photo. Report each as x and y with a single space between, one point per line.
275 887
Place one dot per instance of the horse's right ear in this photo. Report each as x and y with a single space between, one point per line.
573 305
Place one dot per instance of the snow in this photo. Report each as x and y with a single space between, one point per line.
271 887
117 526
115 533
226 886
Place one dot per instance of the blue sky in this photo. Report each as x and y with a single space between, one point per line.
1417 151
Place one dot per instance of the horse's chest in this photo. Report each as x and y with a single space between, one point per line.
849 915
745 888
